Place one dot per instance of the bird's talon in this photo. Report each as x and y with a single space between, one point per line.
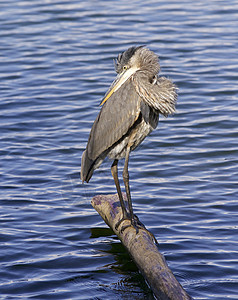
138 223
120 221
134 223
127 226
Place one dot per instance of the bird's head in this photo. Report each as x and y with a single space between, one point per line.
131 61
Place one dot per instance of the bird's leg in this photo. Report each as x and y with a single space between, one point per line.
135 222
134 219
125 176
116 180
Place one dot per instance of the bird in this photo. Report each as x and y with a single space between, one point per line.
130 112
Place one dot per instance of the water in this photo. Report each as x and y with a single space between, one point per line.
55 66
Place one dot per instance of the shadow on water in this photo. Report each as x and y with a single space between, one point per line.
132 285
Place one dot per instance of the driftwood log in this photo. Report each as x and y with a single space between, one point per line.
142 249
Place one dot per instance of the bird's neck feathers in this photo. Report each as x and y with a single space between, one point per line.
160 95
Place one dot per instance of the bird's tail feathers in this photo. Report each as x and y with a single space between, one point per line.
86 167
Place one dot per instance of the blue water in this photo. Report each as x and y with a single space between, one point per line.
56 63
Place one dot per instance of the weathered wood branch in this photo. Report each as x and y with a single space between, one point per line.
142 249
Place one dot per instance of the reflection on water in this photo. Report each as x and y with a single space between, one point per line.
56 62
130 283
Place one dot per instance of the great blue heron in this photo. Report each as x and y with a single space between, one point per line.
130 111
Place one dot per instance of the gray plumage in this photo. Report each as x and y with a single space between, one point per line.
130 111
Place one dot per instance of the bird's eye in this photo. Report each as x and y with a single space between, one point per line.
124 68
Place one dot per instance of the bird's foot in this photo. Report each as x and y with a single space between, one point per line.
135 222
124 218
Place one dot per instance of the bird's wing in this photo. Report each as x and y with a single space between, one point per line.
161 95
116 117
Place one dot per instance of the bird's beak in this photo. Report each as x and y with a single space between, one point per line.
118 82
